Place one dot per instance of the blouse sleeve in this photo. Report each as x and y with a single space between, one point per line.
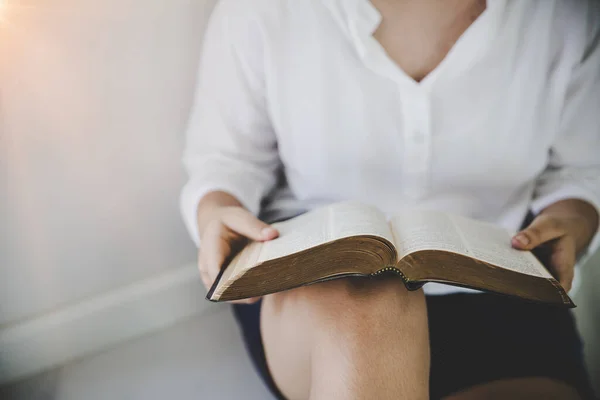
574 167
230 144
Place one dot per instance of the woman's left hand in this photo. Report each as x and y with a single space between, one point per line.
566 228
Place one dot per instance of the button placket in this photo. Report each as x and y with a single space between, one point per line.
417 140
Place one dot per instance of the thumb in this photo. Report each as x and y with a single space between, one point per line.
243 222
543 229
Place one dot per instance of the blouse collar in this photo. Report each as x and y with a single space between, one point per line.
360 19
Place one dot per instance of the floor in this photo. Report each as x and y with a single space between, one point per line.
201 358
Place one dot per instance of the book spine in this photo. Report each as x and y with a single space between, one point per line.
410 285
393 270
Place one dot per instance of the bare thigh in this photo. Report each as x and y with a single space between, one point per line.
345 329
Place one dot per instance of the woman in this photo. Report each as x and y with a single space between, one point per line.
486 109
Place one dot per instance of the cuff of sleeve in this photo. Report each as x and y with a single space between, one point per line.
569 191
192 193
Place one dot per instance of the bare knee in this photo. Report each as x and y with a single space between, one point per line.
367 331
358 298
359 307
354 332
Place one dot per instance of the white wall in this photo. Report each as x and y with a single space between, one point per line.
94 97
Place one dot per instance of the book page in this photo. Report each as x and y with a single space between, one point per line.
354 219
491 243
324 225
426 230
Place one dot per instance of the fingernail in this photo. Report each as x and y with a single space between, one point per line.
522 239
267 232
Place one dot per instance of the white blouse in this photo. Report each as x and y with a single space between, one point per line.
508 122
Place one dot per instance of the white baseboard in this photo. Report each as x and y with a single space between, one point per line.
74 331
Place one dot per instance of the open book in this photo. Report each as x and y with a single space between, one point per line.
352 239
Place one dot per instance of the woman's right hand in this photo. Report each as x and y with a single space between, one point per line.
224 227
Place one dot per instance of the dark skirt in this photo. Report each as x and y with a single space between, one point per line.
475 339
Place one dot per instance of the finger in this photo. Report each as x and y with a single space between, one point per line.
205 279
543 229
246 224
203 270
215 249
563 261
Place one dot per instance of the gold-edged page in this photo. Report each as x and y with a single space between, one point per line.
418 230
323 225
492 244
